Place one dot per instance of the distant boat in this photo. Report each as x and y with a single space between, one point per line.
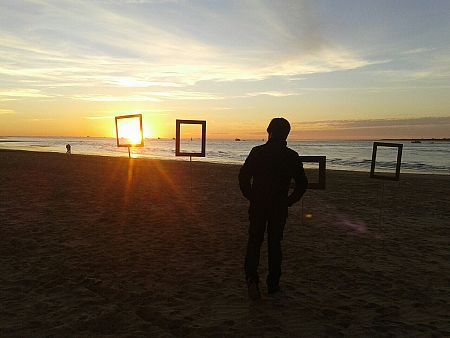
237 139
416 141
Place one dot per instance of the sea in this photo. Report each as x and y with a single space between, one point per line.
428 157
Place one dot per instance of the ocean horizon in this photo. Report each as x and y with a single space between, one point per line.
428 156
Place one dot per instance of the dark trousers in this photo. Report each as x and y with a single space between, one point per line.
275 220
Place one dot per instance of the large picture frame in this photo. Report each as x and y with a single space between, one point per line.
373 174
128 145
322 161
178 152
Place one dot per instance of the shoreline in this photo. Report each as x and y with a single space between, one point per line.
185 159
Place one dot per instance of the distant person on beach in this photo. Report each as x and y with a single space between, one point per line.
69 149
264 180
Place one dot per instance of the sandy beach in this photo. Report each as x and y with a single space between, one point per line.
103 246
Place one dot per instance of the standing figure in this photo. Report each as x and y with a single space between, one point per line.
264 180
69 149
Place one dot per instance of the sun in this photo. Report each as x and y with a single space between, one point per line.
129 131
131 134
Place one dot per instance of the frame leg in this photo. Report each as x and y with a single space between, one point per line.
190 176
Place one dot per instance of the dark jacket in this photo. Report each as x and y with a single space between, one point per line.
272 166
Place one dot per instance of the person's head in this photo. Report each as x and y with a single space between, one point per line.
279 129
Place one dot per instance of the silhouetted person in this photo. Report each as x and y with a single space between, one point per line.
69 149
264 180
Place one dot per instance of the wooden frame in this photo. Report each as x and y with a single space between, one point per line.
399 147
178 140
128 145
322 160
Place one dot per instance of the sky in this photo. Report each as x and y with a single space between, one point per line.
348 69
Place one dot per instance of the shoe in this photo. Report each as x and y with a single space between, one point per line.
253 291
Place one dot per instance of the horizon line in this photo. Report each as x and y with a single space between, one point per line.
244 139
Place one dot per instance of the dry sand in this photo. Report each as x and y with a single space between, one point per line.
100 246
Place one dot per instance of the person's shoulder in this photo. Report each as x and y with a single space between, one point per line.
293 156
292 152
258 148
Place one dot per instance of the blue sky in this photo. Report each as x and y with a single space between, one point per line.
381 68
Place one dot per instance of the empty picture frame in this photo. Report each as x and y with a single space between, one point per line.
133 133
399 147
178 152
321 160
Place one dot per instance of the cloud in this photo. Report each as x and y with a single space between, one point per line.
13 94
99 98
148 44
186 95
152 96
133 82
159 112
424 127
418 50
154 111
99 117
373 123
272 93
6 111
427 66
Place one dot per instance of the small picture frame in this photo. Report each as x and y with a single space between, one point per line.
373 174
178 151
129 133
322 161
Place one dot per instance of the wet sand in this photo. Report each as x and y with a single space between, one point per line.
101 246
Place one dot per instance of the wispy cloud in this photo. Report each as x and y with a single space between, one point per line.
416 51
159 112
134 82
186 95
99 117
152 96
99 98
103 44
154 111
13 94
273 93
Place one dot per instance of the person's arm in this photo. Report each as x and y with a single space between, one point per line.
245 176
301 182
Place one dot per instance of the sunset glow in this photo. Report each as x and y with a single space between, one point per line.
129 131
